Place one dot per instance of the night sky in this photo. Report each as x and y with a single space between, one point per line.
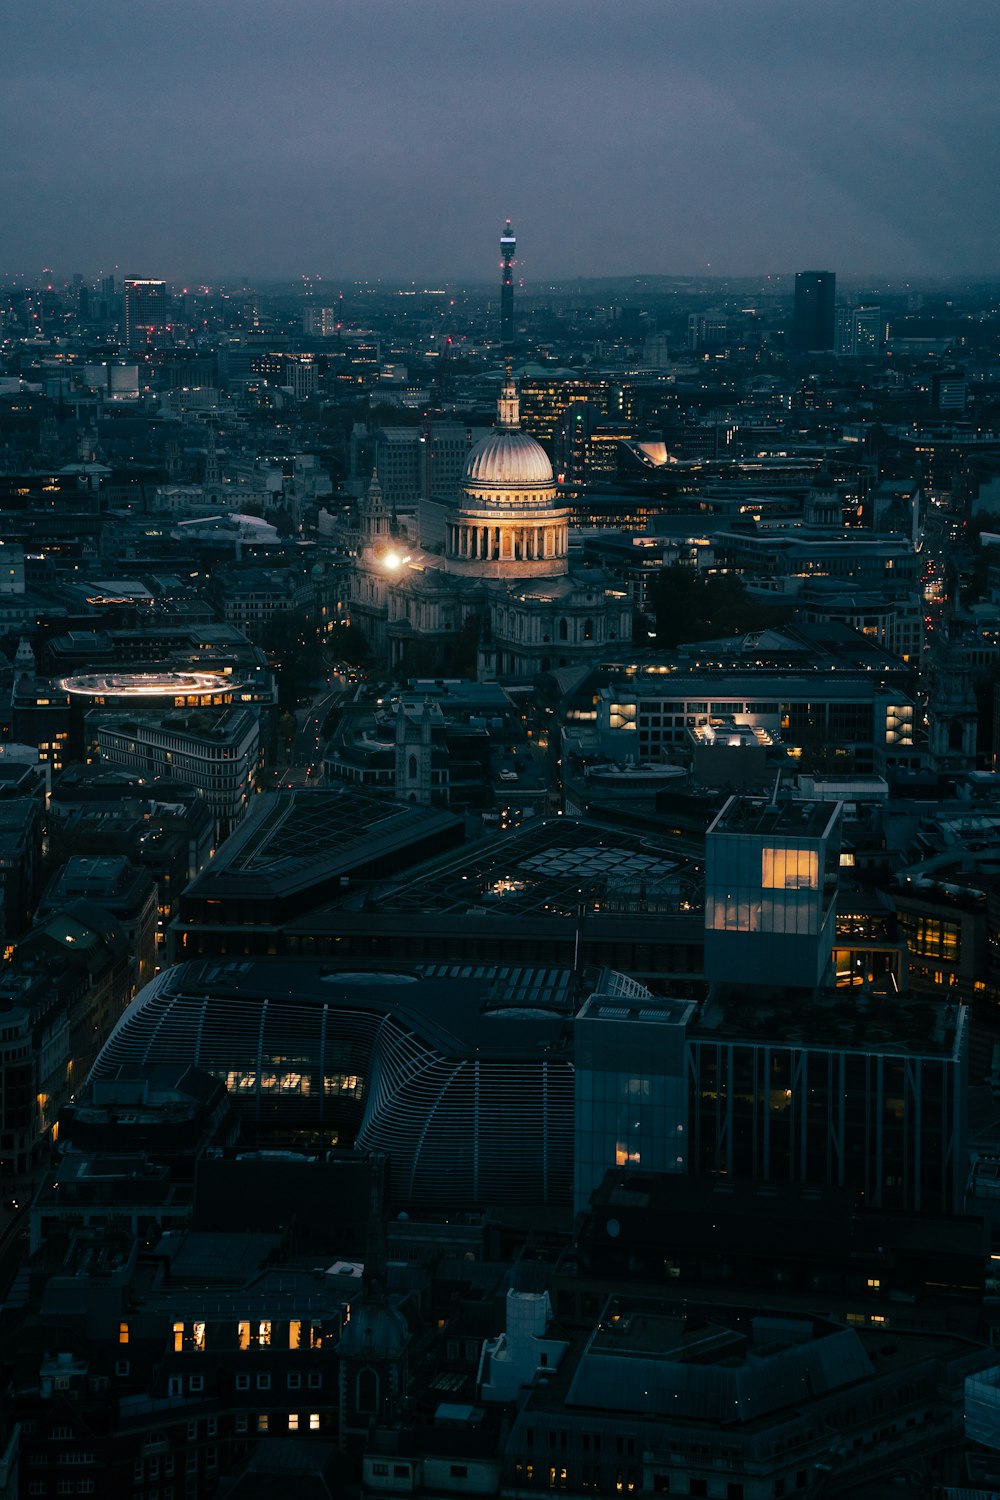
389 138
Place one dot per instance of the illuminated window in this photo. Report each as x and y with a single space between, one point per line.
294 1333
178 1337
243 1335
123 1333
622 716
874 1282
790 869
198 1336
293 1421
314 1421
264 1333
262 1422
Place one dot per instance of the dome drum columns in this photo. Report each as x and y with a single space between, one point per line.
536 542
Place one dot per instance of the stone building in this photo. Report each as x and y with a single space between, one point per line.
501 585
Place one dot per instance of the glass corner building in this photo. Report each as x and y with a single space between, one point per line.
770 891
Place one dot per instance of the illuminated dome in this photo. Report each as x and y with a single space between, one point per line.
508 459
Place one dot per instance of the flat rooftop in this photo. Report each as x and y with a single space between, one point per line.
551 866
845 1020
776 820
299 837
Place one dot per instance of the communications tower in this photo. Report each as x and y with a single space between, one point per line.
508 244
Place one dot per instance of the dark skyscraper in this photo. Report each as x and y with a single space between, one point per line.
145 310
813 320
508 244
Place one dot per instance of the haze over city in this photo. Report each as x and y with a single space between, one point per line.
499 750
387 140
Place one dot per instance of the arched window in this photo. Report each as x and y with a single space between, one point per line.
366 1391
564 630
588 630
411 769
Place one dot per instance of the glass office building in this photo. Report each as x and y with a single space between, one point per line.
770 891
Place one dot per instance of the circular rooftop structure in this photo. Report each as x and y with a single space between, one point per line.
147 685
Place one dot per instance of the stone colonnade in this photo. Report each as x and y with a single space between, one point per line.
508 543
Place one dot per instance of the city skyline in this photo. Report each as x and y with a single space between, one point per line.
392 141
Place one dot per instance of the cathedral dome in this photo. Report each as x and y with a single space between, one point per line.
508 459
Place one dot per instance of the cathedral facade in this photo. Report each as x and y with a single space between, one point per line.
499 581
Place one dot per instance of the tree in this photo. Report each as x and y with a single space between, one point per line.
690 606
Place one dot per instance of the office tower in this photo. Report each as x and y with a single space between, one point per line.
145 310
770 891
859 332
508 244
813 318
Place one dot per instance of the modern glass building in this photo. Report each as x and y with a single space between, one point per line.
770 891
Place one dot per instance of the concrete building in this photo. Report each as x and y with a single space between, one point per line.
216 752
120 888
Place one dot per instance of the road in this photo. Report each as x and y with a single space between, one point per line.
306 749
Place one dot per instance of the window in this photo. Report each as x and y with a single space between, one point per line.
294 1382
264 1333
173 1385
243 1382
178 1338
123 1333
459 1471
314 1421
382 1470
243 1334
198 1337
264 1382
293 1421
294 1333
315 1380
241 1422
196 1383
262 1422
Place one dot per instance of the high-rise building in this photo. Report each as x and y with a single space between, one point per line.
859 331
146 310
815 309
508 244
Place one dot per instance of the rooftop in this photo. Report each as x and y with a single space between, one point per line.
295 838
493 1009
558 867
776 820
853 1020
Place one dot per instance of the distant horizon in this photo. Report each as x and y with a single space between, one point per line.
896 281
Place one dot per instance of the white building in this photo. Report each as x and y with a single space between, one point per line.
216 753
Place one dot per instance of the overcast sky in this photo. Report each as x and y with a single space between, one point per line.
390 138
